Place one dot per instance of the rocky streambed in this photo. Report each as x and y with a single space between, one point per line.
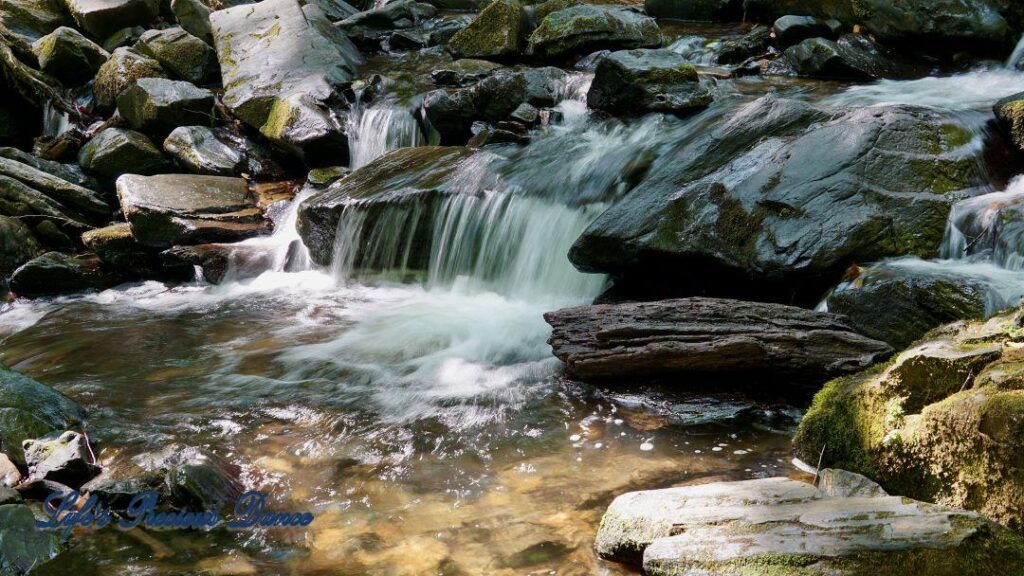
506 288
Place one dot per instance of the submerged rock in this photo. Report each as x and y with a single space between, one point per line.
100 18
498 31
60 457
707 336
157 106
217 261
181 53
59 273
115 151
123 68
943 421
29 409
790 527
200 480
587 28
69 56
1010 114
639 81
17 245
23 547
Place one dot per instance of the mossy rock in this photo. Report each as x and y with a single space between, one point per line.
69 56
1010 113
639 81
124 67
17 245
586 28
181 53
29 409
157 106
497 32
116 151
23 547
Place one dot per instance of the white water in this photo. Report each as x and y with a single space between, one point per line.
697 50
378 129
976 90
1016 59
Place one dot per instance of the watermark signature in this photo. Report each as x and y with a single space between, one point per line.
69 510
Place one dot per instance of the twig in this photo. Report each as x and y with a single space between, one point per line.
817 469
88 443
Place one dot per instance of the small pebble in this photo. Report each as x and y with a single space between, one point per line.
647 447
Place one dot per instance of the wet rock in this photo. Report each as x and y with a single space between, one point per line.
116 151
639 81
586 28
62 457
81 199
707 336
116 247
120 71
157 106
30 20
283 66
943 421
218 261
200 480
450 113
853 57
406 40
29 409
324 176
17 245
69 56
18 199
9 495
100 18
368 27
1010 114
742 527
51 236
59 273
335 9
22 546
498 32
194 17
791 30
69 172
116 490
440 32
201 151
171 209
123 38
9 473
898 306
705 10
819 189
180 53
752 44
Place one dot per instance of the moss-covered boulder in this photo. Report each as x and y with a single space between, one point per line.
100 18
23 547
17 245
116 151
943 421
498 32
59 273
180 53
124 67
69 56
115 246
586 28
78 198
1010 113
852 57
640 81
157 106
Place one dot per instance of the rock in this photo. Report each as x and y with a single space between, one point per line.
180 53
791 30
695 336
853 57
9 495
450 114
30 410
53 237
120 71
498 32
218 260
69 172
171 209
200 150
9 473
116 247
782 197
1010 114
789 527
463 72
335 9
194 17
116 490
158 106
69 56
17 245
123 38
323 176
400 189
750 45
83 200
59 273
200 480
283 67
368 27
703 10
942 421
100 18
406 40
17 199
60 457
23 547
115 151
640 81
30 20
899 305
586 28
969 22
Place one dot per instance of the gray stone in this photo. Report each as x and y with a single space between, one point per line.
17 245
123 38
497 32
115 246
586 28
63 457
157 106
463 72
59 273
790 30
69 172
370 26
200 480
121 70
640 81
18 199
69 56
76 197
201 151
335 9
30 20
853 57
174 209
194 17
100 18
116 151
186 56
29 409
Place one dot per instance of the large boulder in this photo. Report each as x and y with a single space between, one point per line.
157 105
790 30
181 53
171 209
704 10
701 336
101 18
283 66
369 27
1010 114
69 56
28 410
194 17
852 57
70 172
587 28
640 81
59 273
498 32
848 527
115 246
30 20
116 151
17 245
83 200
783 196
120 71
943 421
201 150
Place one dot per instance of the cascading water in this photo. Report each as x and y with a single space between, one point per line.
379 128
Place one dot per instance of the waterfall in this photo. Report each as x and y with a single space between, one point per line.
988 227
697 50
378 129
1016 61
55 122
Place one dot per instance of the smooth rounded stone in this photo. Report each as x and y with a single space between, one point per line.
9 473
194 17
1010 113
853 57
586 28
115 246
17 245
200 480
499 31
450 113
69 172
729 528
121 70
640 81
69 56
943 421
123 38
60 457
85 201
58 273
158 106
325 176
23 547
199 149
368 27
283 66
180 53
970 22
30 20
29 409
898 306
790 30
782 197
100 18
751 45
693 336
702 10
171 209
116 151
